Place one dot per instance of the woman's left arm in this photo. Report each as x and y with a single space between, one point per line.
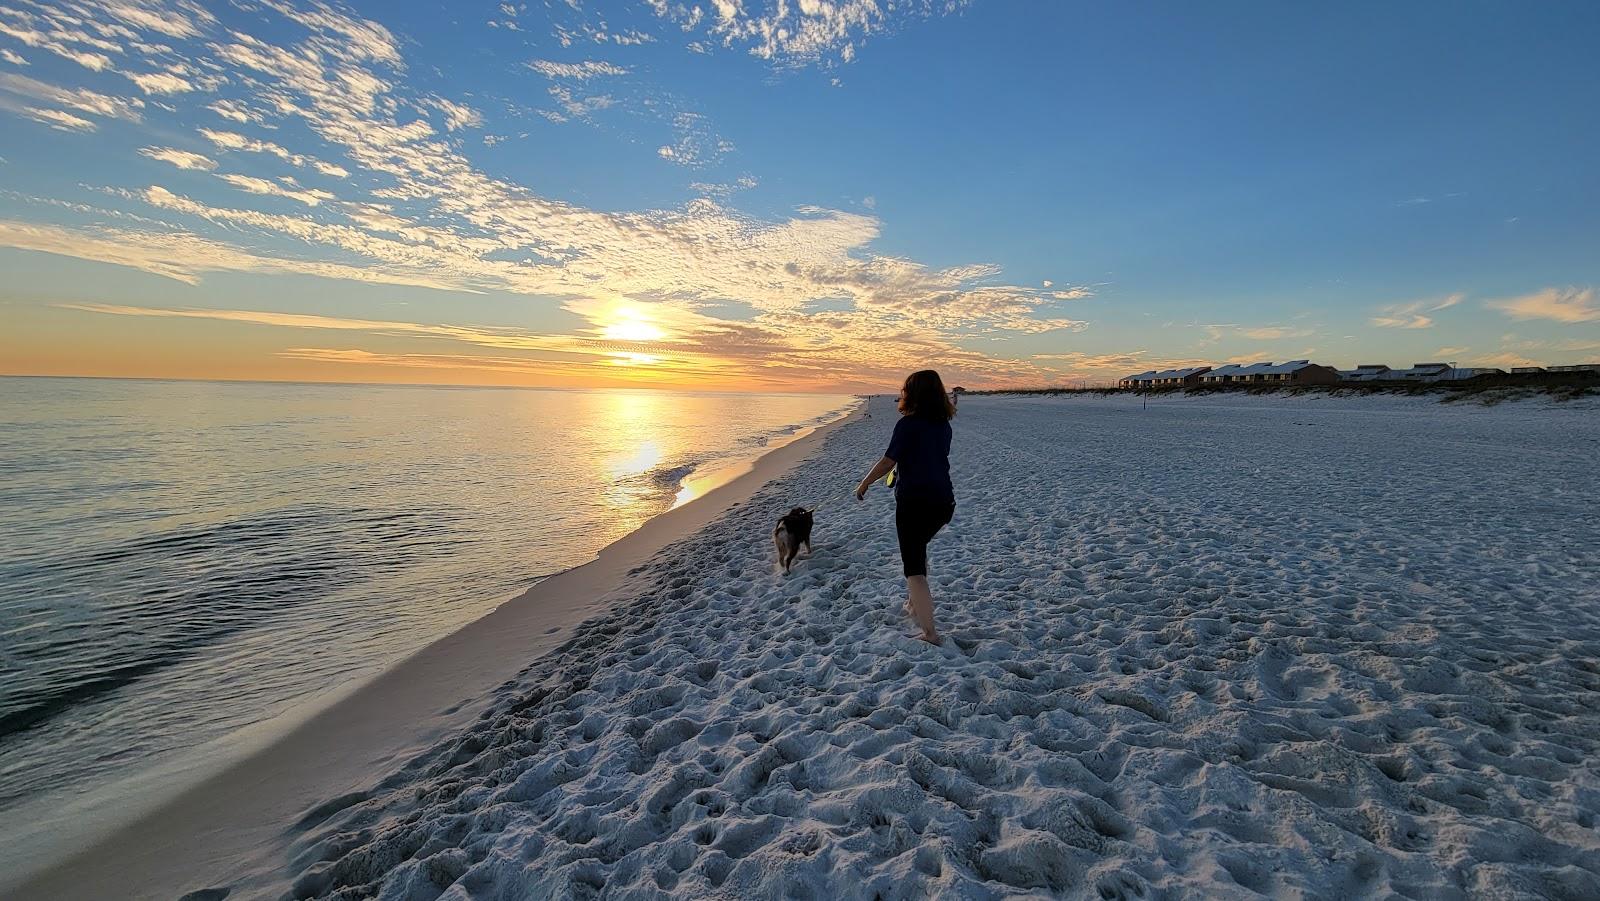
878 472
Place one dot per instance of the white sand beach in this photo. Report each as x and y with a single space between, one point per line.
1221 647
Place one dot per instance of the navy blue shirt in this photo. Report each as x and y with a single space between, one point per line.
920 450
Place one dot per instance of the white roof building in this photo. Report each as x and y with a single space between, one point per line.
1288 368
1423 372
1234 372
1366 372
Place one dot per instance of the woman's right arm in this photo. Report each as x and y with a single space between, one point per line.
879 471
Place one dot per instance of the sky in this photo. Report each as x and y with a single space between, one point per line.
792 195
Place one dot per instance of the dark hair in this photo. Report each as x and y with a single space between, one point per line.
924 395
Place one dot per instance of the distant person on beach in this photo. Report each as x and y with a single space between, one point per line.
924 500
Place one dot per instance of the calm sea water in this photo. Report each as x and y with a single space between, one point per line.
181 560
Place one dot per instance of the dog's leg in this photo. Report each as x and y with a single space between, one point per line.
786 547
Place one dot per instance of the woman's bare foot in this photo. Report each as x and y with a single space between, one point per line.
931 639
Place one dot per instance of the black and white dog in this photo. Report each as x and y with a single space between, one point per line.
793 530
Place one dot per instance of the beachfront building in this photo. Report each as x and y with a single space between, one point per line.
1176 378
1579 367
1234 373
1366 372
1165 378
1423 372
1299 372
1472 372
1527 370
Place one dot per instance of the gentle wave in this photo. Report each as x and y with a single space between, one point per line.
185 560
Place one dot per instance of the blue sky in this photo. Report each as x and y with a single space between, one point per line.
792 195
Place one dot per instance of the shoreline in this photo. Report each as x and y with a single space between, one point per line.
233 822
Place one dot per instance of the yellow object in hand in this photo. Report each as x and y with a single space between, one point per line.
889 479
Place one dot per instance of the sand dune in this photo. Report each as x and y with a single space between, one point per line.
1216 648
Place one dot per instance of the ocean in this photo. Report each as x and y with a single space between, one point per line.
184 561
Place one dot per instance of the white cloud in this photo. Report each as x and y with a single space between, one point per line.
1108 367
1506 360
805 32
456 115
1557 304
59 32
330 169
182 256
237 112
177 20
580 71
1274 332
183 159
577 107
815 298
263 186
161 83
228 140
1412 315
696 145
722 191
81 100
57 119
12 57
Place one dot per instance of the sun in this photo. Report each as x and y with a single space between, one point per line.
631 328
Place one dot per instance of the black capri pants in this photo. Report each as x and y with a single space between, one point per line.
916 521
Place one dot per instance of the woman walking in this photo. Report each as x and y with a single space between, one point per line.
924 500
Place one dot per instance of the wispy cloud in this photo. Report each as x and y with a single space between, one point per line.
228 140
696 144
1557 304
57 119
183 159
1108 366
1412 315
183 256
1274 332
814 298
176 80
801 34
456 115
80 100
1506 360
724 190
235 111
579 71
574 106
309 197
1419 201
1216 332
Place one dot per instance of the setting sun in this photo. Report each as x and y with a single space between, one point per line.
624 321
632 330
